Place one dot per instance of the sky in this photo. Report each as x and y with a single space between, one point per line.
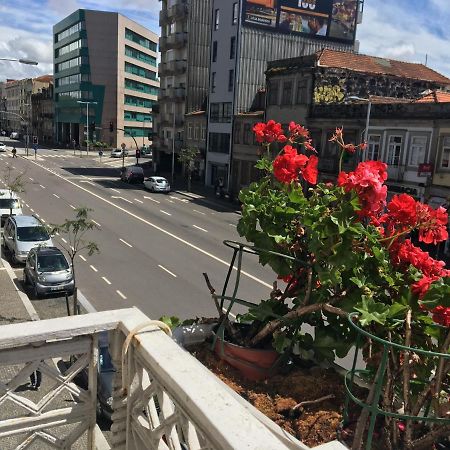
409 30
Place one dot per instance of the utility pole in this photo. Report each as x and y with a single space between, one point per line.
173 145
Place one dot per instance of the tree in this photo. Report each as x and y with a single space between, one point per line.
14 183
76 231
187 157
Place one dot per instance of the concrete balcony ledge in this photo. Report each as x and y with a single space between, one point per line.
162 398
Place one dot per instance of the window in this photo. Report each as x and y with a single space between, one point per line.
302 93
273 93
220 112
394 150
196 132
138 101
70 47
189 131
219 142
203 133
141 56
445 162
74 62
141 40
230 80
72 79
417 150
287 93
140 71
213 81
235 13
69 31
373 147
136 86
233 47
137 131
214 51
216 19
137 116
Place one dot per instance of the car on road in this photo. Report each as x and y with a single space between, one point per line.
47 271
2 147
21 234
118 153
14 135
9 205
157 184
132 174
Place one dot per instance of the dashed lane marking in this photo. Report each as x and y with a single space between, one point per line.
93 268
106 280
199 212
121 295
200 228
152 199
126 243
83 258
167 270
165 212
137 200
56 195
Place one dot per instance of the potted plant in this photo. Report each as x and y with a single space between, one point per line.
340 248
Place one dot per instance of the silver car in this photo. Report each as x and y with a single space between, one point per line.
157 184
118 153
2 147
48 272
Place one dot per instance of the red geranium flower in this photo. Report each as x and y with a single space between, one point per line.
432 224
269 132
286 167
310 171
297 130
441 315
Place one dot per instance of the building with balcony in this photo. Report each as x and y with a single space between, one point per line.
110 61
42 107
245 36
18 101
184 72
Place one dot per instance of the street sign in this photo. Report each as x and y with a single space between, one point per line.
425 169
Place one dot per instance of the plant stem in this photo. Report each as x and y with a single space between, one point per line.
442 364
407 378
426 442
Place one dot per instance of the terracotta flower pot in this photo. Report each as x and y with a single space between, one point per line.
254 364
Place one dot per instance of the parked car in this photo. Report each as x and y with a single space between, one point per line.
9 205
14 135
105 374
157 184
2 147
118 153
21 234
146 152
132 174
47 271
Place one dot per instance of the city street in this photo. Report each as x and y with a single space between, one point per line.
153 247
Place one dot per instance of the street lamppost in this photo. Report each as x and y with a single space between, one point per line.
21 61
369 110
173 145
87 121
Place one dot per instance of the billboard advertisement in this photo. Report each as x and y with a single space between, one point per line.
323 19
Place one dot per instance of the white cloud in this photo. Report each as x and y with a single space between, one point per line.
64 7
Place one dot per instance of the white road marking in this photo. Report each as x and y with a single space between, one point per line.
166 270
152 199
200 228
115 190
121 198
126 243
137 200
73 207
106 280
199 212
31 179
13 167
93 268
123 296
170 201
164 212
83 258
43 187
233 225
43 220
31 209
56 195
96 223
87 182
64 240
156 227
37 215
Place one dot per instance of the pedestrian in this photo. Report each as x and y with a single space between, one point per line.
14 152
35 379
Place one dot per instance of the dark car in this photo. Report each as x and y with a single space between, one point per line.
132 174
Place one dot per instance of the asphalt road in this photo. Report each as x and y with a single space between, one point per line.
153 247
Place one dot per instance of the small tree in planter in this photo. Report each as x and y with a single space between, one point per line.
76 231
14 183
340 248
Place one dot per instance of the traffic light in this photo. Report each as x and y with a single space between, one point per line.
92 127
111 126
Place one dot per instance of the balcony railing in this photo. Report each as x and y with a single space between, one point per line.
162 397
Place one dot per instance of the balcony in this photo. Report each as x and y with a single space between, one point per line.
174 67
176 40
178 11
162 397
176 93
163 17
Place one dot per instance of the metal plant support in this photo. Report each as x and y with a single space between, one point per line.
238 251
373 407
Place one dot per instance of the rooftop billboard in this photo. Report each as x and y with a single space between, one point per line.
322 19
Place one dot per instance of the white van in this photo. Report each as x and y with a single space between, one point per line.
9 204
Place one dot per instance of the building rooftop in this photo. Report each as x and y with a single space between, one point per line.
45 78
360 63
435 97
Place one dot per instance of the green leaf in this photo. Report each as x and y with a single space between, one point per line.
397 311
371 311
170 321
